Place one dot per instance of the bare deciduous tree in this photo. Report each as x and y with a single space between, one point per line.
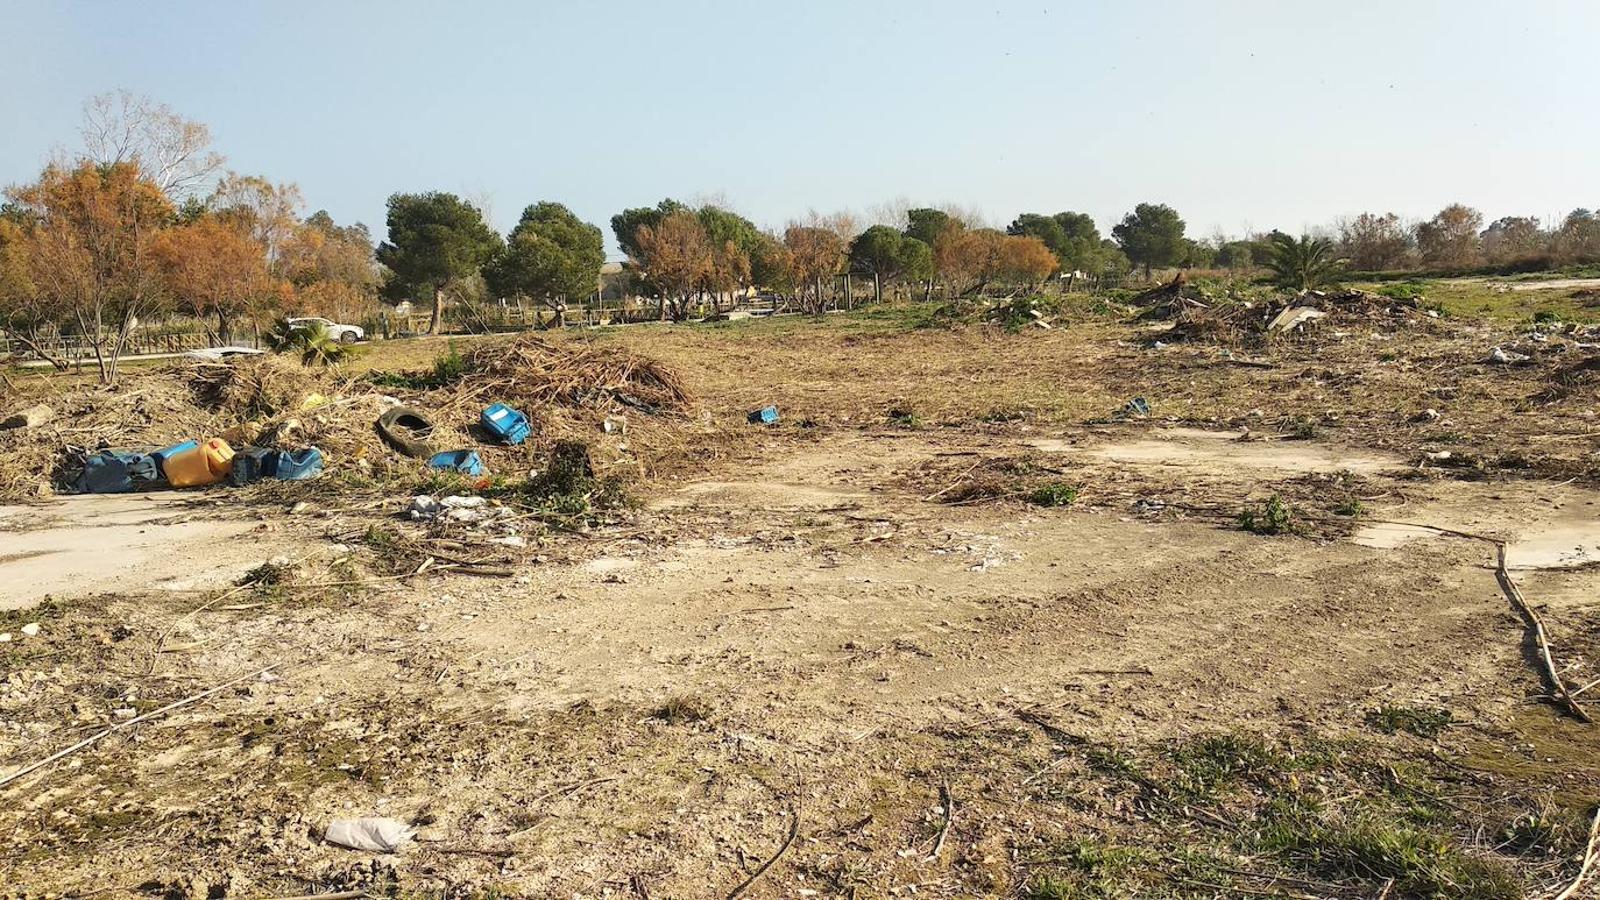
172 152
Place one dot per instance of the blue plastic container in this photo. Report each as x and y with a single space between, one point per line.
161 456
116 471
463 461
298 465
104 474
506 424
251 464
766 415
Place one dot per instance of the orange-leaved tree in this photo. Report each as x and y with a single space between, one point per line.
28 316
90 250
817 253
677 257
216 271
1026 260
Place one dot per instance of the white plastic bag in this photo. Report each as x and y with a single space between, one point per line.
374 834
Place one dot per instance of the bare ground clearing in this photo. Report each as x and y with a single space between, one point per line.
1121 696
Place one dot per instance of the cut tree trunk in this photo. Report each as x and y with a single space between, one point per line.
436 324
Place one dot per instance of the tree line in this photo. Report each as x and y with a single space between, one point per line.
146 221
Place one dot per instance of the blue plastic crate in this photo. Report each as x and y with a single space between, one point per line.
505 423
766 415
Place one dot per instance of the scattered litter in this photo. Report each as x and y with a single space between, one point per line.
31 629
161 456
1294 317
1503 357
198 466
766 415
424 508
107 472
1138 406
377 835
407 430
463 461
506 424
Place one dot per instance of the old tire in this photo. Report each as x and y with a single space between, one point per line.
408 431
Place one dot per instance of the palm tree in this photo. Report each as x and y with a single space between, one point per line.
311 341
1303 264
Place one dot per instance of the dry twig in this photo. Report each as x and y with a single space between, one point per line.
156 713
1591 853
794 830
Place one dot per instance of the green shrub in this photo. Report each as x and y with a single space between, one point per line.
1053 493
1272 517
1402 290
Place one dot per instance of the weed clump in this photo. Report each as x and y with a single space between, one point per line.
1351 507
1272 517
568 485
276 571
1421 863
1091 869
683 710
1303 428
903 415
1053 493
1424 723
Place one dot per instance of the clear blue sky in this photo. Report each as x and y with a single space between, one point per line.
1242 114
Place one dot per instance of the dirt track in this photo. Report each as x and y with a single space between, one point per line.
649 705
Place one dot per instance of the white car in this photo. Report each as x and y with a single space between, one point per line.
344 334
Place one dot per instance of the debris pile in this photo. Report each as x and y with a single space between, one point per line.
250 386
567 389
531 373
1170 301
1579 379
1197 318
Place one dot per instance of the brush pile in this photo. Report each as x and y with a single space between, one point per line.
1578 380
531 373
250 386
1226 324
1170 302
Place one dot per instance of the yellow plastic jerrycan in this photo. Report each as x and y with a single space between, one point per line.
206 464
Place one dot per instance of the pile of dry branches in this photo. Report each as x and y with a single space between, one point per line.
250 386
1580 378
531 372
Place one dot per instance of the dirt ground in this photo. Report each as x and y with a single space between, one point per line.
851 647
